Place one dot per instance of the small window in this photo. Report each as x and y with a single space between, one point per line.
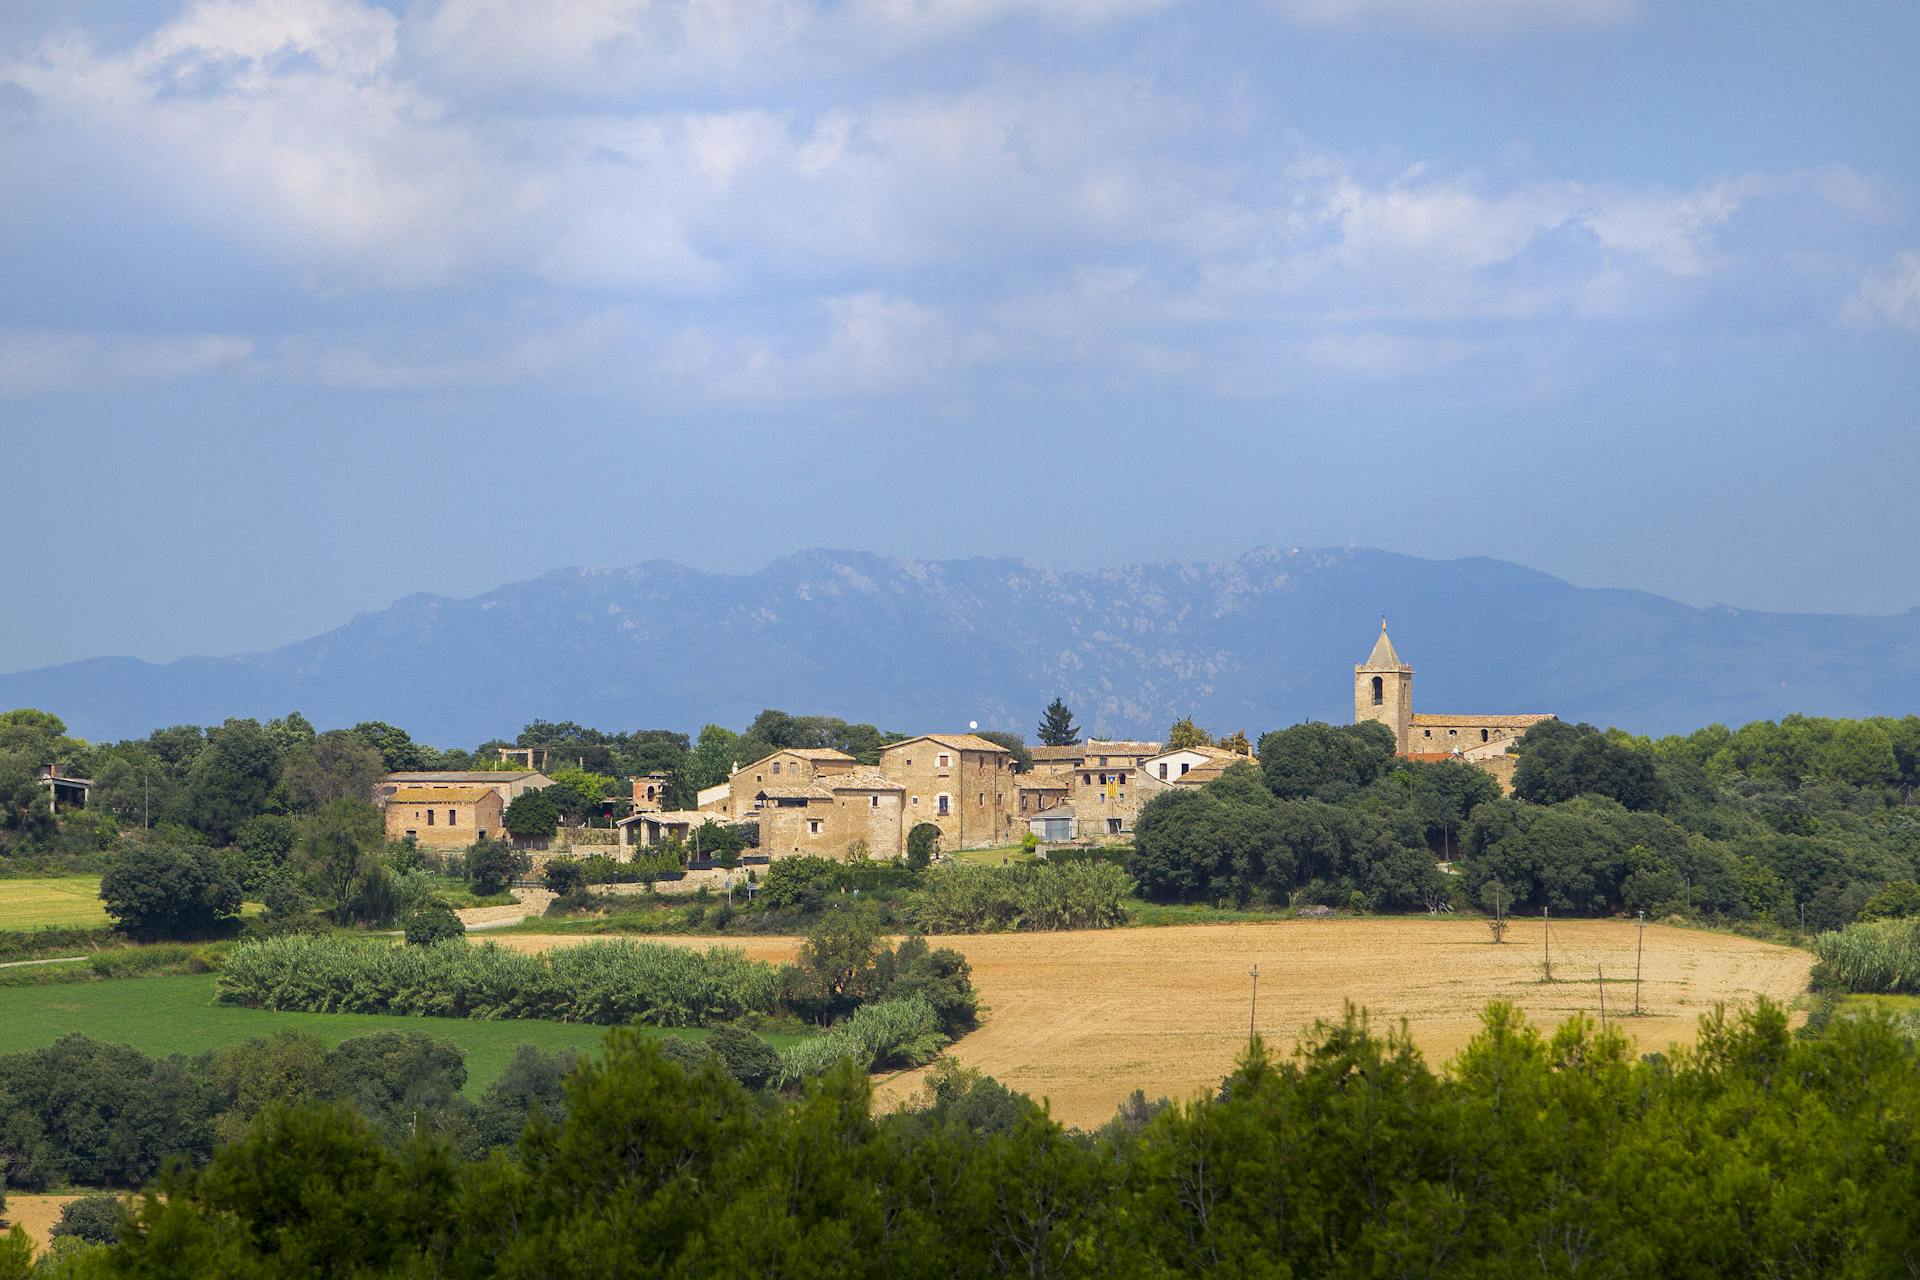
1123 779
1086 779
1426 733
813 826
1103 762
1163 771
983 800
943 761
914 800
429 817
413 835
1453 733
451 820
946 804
776 768
1483 735
649 793
873 802
1184 766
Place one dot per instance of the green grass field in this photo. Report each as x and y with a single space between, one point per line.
56 900
999 854
179 1015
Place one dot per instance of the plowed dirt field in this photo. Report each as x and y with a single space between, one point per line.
1082 1019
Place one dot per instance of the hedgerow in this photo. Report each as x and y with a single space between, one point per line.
603 983
1881 956
1037 896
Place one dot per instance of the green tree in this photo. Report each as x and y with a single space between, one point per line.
399 753
923 844
563 876
336 848
290 732
713 758
433 922
1056 726
837 968
167 889
1185 733
1302 760
231 780
94 1219
492 864
338 765
532 815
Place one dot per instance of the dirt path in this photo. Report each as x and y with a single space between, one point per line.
527 902
1084 1018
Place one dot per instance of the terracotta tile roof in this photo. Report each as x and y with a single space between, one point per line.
958 741
1201 773
1482 722
441 795
465 775
816 753
795 793
1052 754
862 779
1140 749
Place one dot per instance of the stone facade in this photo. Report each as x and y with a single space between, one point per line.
507 784
443 817
962 784
650 793
1383 693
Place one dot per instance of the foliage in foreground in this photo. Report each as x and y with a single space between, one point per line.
1750 1154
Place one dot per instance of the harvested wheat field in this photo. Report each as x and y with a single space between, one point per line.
1082 1019
35 1215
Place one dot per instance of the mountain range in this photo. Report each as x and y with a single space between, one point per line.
1264 640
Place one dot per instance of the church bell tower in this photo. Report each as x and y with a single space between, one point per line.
1383 690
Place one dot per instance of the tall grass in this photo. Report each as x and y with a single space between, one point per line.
903 1032
1882 956
598 982
1038 896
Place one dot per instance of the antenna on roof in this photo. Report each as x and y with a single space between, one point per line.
1383 624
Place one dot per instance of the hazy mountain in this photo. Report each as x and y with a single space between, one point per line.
1254 643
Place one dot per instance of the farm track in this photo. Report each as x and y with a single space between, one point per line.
1082 1019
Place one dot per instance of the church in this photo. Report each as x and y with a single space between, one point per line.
1383 692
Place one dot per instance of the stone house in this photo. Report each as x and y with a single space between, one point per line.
507 784
443 817
960 782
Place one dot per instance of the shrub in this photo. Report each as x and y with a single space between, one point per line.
599 982
891 1033
923 842
1042 896
95 1219
532 816
493 864
168 890
433 922
1880 956
564 876
747 1058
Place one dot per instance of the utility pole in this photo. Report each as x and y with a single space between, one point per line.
1254 1004
1546 946
1639 949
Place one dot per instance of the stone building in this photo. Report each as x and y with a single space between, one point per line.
443 817
1383 693
650 792
960 782
507 784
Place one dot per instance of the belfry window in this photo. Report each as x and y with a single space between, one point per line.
1483 735
1379 691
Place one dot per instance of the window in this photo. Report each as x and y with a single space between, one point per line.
1103 762
1184 766
1453 733
1379 691
1426 733
649 793
946 804
1163 771
429 817
776 768
1123 779
914 800
873 802
1113 826
813 826
1483 735
983 800
944 761
451 820
1086 779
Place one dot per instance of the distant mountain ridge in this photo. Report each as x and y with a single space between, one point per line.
1260 641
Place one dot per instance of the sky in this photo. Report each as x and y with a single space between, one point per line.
312 304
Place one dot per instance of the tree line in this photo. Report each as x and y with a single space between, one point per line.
1753 1153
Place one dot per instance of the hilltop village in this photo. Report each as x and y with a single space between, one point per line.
974 791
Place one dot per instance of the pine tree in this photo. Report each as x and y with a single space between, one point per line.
1057 728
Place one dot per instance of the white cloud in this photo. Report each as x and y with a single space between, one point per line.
40 360
1466 17
1889 296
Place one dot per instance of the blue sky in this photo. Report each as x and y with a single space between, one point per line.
314 303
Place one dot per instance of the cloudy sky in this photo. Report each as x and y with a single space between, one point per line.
312 303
